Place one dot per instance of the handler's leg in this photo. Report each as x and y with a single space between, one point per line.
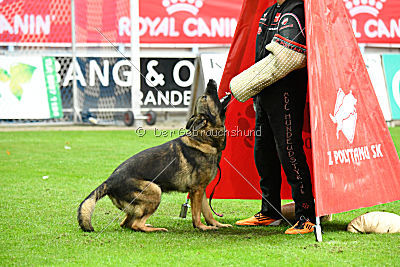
269 169
286 114
268 165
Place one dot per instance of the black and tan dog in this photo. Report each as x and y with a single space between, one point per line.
185 164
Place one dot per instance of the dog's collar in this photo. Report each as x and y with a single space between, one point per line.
205 148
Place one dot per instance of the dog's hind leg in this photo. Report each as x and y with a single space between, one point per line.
126 221
144 204
140 225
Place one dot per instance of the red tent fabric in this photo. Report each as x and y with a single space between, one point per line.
242 183
354 162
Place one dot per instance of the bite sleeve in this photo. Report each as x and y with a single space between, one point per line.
282 60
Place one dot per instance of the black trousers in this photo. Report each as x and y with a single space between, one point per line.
280 116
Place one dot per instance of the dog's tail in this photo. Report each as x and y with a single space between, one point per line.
86 208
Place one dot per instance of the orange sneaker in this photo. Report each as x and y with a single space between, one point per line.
259 220
303 226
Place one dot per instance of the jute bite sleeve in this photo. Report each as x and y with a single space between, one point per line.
279 63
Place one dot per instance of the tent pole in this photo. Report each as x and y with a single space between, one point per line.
135 60
318 230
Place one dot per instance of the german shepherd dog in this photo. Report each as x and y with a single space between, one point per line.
185 164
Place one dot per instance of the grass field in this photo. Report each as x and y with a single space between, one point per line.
38 216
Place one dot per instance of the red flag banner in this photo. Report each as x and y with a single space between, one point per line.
355 161
240 178
375 21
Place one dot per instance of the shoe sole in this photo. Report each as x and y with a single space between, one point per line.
298 233
275 223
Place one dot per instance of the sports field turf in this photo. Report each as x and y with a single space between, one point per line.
38 215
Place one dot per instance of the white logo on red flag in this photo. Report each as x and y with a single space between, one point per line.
191 6
345 115
364 6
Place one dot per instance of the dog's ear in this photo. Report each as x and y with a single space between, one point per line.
196 122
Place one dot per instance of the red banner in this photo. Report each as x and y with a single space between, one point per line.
161 21
374 21
40 21
355 161
166 21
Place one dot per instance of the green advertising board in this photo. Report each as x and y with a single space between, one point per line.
53 90
391 63
29 88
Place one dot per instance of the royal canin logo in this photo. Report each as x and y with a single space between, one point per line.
191 6
356 7
345 115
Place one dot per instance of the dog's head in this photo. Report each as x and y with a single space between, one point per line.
209 112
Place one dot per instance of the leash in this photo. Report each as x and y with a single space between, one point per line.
212 193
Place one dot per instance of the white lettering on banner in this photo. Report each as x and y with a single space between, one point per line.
103 75
98 73
191 27
70 76
377 28
354 155
173 97
19 25
94 68
152 25
124 26
177 68
172 31
26 24
126 73
153 78
354 24
51 83
382 23
186 27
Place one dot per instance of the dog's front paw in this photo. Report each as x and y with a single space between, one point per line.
218 224
223 225
206 228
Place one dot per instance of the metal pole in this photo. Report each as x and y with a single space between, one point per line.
74 62
318 229
135 58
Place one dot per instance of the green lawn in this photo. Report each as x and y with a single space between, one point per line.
38 216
